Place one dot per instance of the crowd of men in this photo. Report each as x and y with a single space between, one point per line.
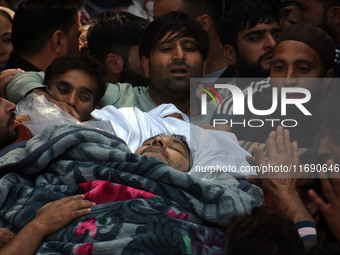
261 47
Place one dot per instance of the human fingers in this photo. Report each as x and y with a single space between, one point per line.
5 77
335 177
271 145
296 155
55 215
316 199
327 188
288 145
69 109
5 236
280 141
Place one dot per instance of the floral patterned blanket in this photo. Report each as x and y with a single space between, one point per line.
143 206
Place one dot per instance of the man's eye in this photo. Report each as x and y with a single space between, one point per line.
254 38
84 98
190 49
278 68
174 148
304 69
62 91
7 40
165 49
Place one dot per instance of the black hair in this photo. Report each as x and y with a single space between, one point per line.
246 14
35 21
186 145
196 8
263 232
115 32
83 63
6 15
179 25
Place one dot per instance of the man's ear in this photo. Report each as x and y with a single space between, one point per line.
114 63
329 73
333 16
230 54
145 65
59 43
205 21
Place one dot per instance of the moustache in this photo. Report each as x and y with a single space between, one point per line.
266 55
154 148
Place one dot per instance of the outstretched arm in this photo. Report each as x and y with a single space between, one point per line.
49 219
281 152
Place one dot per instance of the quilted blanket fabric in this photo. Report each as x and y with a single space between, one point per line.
143 206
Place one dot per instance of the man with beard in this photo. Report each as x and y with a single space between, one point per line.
208 14
43 31
171 150
8 126
172 50
302 52
248 34
114 40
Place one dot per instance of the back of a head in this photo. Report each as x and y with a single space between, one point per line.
84 63
115 32
35 21
263 232
246 14
173 23
196 8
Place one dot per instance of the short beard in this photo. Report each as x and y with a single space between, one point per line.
132 77
247 69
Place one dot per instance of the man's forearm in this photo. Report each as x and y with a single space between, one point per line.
26 242
290 203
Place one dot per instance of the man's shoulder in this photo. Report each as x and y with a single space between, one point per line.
256 88
125 95
16 61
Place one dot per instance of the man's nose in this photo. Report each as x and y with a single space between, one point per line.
270 42
9 106
72 99
178 54
290 79
159 141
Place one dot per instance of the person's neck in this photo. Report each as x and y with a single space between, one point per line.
215 60
40 60
180 101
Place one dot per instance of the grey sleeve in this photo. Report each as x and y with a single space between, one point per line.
22 84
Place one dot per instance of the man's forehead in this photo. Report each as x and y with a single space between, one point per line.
165 137
307 3
284 49
267 24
